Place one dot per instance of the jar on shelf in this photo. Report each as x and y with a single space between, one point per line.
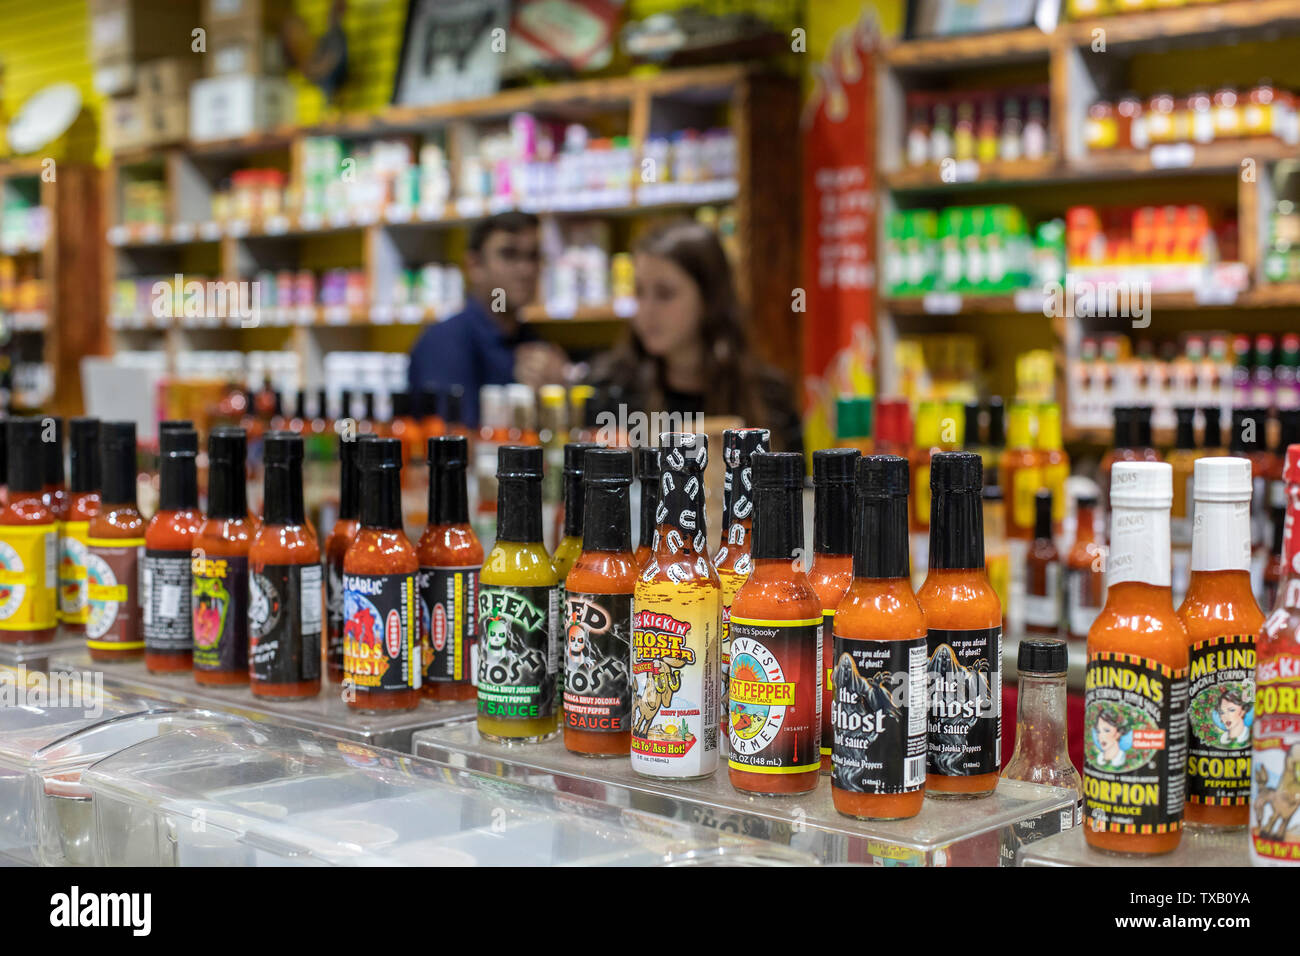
1163 124
1101 130
1131 123
1257 118
1200 117
918 130
1227 113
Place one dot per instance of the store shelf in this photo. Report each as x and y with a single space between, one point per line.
1197 848
1242 18
1029 302
537 315
972 173
980 49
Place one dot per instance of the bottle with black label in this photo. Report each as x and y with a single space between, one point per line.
166 580
964 620
1223 624
1043 573
381 640
518 610
598 614
1135 690
451 558
878 660
286 592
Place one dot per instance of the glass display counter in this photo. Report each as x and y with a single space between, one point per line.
1197 848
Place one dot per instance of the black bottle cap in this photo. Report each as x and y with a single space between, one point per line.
1185 431
381 490
647 470
178 484
997 430
455 405
1279 529
368 403
178 440
607 522
519 462
1123 426
1142 425
778 503
430 403
1085 501
575 455
608 465
300 404
277 404
971 431
117 457
401 404
683 457
448 457
519 493
956 515
881 547
282 497
280 448
647 464
322 403
1288 420
26 471
833 494
835 465
349 481
83 454
228 444
1043 514
345 403
1042 657
448 451
381 453
174 424
1212 434
227 481
52 448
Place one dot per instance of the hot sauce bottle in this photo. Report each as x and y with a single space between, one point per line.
1274 826
451 558
598 614
926 445
1022 474
83 504
1135 691
1054 463
878 660
1223 623
518 607
336 546
647 474
166 584
381 649
219 598
775 693
1085 583
964 638
1121 448
570 544
55 491
28 542
1043 573
675 646
832 567
286 592
733 561
116 543
1275 571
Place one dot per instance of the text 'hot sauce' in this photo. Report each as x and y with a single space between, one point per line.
336 546
28 542
1274 823
598 613
878 659
1223 623
675 644
1135 689
774 696
381 649
647 474
964 621
451 558
832 569
115 542
518 611
219 596
82 505
167 580
286 594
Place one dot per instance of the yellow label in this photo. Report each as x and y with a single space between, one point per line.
758 692
74 603
28 574
1054 481
107 592
1025 483
922 495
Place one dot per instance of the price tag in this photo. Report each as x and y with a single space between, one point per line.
1172 155
966 171
941 303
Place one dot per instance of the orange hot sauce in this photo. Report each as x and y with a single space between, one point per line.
1223 625
1021 472
82 505
286 594
647 475
219 600
964 620
832 569
1136 739
451 558
28 528
878 660
168 556
1085 584
345 529
598 614
381 651
116 545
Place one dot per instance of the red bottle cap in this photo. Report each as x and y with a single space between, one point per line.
1291 471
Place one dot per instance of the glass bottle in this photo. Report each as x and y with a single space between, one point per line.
1043 573
83 504
1085 582
647 475
1042 753
167 581
30 537
116 549
570 523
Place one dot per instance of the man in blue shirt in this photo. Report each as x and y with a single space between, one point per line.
485 343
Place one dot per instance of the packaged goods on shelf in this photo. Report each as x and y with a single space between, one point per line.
1199 117
24 224
226 107
380 373
1087 9
21 288
978 249
1282 255
144 203
982 126
938 366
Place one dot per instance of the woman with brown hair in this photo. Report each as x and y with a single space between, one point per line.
687 351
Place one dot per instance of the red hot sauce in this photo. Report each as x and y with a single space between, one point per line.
116 549
167 582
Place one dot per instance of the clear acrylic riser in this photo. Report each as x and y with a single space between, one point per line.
944 833
36 657
326 713
1198 847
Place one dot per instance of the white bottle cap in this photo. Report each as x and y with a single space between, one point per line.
1141 484
1221 479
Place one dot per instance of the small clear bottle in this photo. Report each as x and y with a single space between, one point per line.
1042 752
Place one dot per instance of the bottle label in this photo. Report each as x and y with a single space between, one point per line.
676 679
731 580
219 603
828 662
284 623
774 699
165 589
28 577
381 651
448 630
74 606
1274 824
334 611
964 677
1025 483
1033 829
1221 690
1134 744
878 715
113 590
1054 477
1083 600
1043 602
518 651
597 658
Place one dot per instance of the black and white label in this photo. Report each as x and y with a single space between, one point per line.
964 677
284 623
878 715
165 581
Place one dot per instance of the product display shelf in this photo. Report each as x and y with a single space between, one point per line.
1200 848
945 833
37 657
325 713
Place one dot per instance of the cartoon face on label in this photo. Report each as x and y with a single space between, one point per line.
264 606
11 595
1273 792
211 604
1110 732
1221 716
102 613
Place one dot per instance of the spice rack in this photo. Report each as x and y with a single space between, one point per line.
1197 848
945 833
1077 60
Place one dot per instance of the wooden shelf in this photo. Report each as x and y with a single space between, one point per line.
957 303
972 173
605 314
981 49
